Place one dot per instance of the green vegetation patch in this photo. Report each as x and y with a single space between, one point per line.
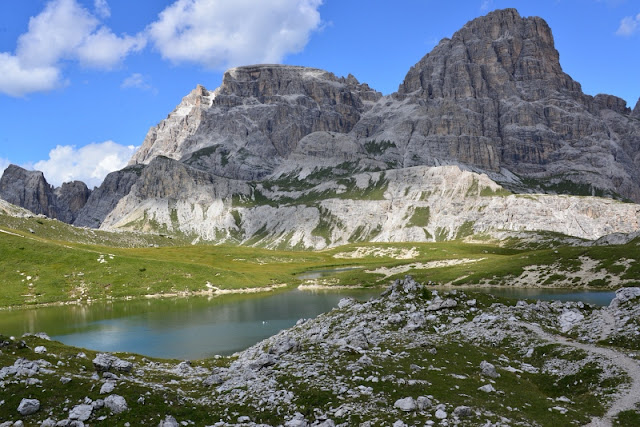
376 148
420 217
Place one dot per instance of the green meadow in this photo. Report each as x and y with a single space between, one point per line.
46 261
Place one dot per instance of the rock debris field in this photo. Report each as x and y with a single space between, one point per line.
413 356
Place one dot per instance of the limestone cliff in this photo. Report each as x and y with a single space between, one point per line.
412 204
636 110
247 126
494 96
71 198
104 199
30 190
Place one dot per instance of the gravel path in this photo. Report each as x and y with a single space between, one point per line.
629 399
609 325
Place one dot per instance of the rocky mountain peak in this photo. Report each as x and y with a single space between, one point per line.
71 198
500 53
255 119
30 190
610 102
636 110
267 80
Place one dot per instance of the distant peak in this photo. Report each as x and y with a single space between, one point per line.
19 169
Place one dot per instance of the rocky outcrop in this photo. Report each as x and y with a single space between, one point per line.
30 190
247 126
104 199
71 198
636 110
413 204
172 196
494 96
379 364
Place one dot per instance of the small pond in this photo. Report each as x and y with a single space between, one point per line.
599 298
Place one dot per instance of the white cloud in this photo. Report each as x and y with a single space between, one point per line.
102 8
17 80
223 33
90 163
64 30
55 33
103 49
138 81
629 25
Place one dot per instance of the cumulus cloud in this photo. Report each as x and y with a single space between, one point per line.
137 81
90 163
104 50
629 25
17 80
102 8
64 30
223 33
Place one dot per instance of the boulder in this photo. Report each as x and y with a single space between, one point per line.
487 388
406 404
28 406
462 411
568 319
488 369
169 421
440 304
81 412
107 387
116 403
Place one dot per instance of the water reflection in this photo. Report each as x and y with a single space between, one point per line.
187 328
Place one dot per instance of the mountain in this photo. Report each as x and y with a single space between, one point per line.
254 120
494 97
30 190
287 156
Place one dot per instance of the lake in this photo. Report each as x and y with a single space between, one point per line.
199 327
182 328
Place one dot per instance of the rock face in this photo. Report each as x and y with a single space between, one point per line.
636 110
253 121
30 190
71 198
285 156
412 204
104 199
495 97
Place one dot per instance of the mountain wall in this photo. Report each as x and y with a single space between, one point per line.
412 204
30 190
254 120
288 156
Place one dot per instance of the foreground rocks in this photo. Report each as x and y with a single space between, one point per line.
414 355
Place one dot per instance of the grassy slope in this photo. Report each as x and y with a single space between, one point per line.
63 263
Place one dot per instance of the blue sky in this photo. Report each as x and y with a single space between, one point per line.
81 81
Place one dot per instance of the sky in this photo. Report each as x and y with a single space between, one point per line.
82 81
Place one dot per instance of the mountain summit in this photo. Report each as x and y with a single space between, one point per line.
287 156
